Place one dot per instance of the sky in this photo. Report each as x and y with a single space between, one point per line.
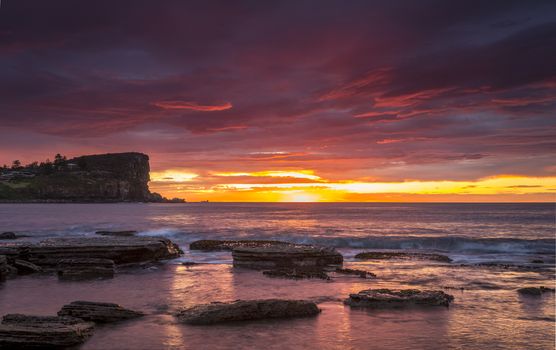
291 100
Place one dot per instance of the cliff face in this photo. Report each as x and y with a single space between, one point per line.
107 177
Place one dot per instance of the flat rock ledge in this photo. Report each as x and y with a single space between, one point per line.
245 310
85 268
386 298
128 233
217 245
402 255
121 250
285 256
42 332
535 291
98 312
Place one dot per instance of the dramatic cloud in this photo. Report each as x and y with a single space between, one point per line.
194 106
346 91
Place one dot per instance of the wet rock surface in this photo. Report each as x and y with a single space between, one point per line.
244 310
385 298
356 272
402 255
285 256
535 291
297 273
117 233
98 312
42 332
122 250
85 268
217 245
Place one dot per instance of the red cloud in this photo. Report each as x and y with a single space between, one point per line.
194 106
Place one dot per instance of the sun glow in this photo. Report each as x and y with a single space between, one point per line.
310 187
172 176
300 196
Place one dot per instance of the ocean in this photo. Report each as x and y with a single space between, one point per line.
495 249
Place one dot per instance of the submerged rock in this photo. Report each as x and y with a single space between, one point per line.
360 273
42 332
285 256
297 273
384 298
215 245
402 255
85 268
122 250
244 310
537 261
98 312
535 291
117 233
8 235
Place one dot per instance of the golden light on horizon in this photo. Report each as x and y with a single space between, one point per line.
300 196
172 176
222 187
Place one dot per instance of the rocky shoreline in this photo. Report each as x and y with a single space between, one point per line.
103 255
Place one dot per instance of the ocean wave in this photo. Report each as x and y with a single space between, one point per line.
448 244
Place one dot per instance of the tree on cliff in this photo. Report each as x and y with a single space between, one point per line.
59 159
16 165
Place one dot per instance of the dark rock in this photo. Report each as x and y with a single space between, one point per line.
85 268
8 235
189 263
42 332
535 291
384 298
216 245
25 267
12 252
360 273
537 261
285 256
4 270
98 312
243 310
117 233
402 255
122 250
297 273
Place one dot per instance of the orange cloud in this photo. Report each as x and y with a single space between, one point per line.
194 106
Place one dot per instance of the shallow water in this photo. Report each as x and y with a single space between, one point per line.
487 313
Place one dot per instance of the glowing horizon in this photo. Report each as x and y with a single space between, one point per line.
493 188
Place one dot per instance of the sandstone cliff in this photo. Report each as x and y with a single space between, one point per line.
115 177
